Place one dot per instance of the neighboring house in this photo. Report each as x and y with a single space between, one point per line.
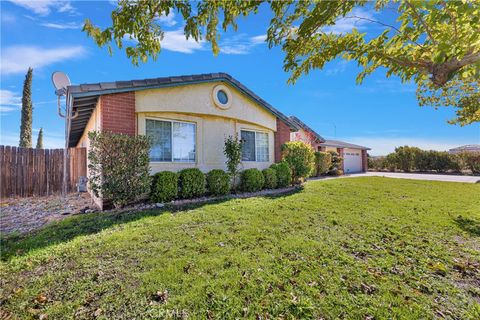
354 156
188 118
472 148
305 134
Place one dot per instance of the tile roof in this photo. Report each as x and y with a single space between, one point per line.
93 90
342 144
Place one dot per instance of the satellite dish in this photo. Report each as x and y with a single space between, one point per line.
61 82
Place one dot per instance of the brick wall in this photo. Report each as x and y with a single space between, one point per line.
281 136
364 161
340 152
118 113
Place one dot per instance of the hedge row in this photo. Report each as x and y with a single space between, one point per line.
192 183
414 159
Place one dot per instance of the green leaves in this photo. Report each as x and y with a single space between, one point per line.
430 41
119 166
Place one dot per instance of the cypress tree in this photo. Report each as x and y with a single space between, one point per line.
40 139
27 108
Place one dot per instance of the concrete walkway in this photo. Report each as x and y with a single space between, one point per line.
415 176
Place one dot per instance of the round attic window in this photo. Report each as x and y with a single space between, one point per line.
222 97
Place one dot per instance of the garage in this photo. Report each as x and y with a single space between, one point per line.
354 156
352 160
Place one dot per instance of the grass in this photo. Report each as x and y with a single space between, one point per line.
359 248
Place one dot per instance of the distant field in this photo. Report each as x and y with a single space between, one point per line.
360 248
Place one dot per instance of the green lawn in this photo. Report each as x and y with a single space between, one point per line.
359 248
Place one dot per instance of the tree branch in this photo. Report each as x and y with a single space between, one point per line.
385 25
419 18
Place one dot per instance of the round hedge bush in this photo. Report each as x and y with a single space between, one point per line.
284 174
270 177
252 180
218 182
164 186
191 183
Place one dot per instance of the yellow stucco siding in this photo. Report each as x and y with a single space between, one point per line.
211 132
197 99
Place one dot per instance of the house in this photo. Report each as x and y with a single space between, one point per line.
188 118
471 148
305 134
354 156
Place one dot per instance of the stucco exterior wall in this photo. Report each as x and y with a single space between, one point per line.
211 132
197 99
331 149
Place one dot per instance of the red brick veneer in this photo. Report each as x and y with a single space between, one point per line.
281 136
118 113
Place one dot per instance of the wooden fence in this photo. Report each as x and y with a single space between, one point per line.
27 172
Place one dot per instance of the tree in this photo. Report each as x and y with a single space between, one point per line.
27 108
233 151
405 157
431 42
300 158
40 139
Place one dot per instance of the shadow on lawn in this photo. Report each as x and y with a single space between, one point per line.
15 245
470 225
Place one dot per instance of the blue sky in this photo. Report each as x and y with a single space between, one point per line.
382 113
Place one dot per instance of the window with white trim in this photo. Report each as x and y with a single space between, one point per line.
254 146
172 141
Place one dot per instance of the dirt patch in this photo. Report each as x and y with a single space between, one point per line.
26 214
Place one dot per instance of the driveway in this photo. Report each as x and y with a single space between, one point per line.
419 176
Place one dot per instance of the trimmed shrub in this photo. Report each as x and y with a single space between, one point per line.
283 173
336 161
252 180
218 182
323 161
164 186
300 157
119 167
270 177
191 183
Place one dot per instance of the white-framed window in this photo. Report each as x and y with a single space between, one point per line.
254 146
172 141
